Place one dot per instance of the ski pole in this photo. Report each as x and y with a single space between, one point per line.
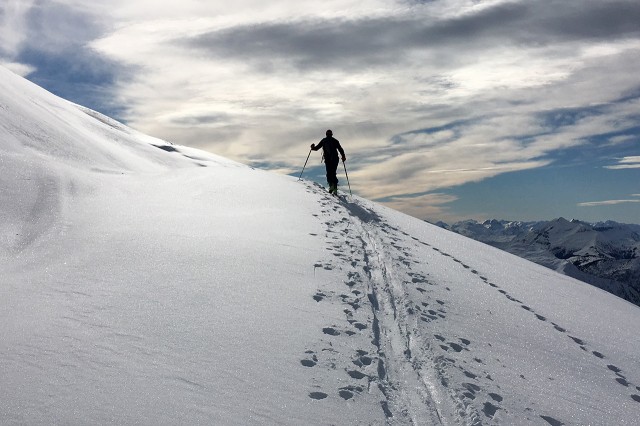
305 165
347 175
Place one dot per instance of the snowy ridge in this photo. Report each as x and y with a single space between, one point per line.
146 282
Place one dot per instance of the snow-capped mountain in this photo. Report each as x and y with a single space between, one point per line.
605 254
148 283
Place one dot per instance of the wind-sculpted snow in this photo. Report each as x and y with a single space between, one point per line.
144 282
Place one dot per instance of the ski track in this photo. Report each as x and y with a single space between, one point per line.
377 304
390 306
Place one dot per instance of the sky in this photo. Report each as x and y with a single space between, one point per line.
447 109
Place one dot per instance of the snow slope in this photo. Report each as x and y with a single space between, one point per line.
171 286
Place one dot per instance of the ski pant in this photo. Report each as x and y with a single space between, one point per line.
332 167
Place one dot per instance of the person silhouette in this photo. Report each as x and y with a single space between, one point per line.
330 149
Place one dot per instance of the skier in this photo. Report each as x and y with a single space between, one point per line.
330 147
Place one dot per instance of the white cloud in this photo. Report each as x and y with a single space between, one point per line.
610 202
607 203
425 206
22 70
258 82
13 25
626 163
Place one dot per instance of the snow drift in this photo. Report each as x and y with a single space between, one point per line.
145 282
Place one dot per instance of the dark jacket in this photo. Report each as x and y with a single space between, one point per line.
330 148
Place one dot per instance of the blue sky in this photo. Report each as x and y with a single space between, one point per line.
448 109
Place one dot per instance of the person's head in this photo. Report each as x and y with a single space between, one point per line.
329 133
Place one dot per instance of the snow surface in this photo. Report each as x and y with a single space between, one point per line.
149 283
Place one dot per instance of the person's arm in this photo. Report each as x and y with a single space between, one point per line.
344 157
317 147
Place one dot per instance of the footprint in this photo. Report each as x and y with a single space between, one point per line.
540 317
598 354
456 347
552 421
362 361
318 395
560 329
614 368
513 299
330 331
622 381
308 363
345 394
471 387
356 374
470 374
578 341
636 398
489 409
496 397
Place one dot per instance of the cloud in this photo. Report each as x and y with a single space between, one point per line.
22 70
504 83
47 41
607 203
374 41
626 163
13 25
424 206
424 96
473 150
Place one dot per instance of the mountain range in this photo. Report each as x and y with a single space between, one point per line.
605 254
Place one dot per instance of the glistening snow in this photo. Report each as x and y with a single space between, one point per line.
170 286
